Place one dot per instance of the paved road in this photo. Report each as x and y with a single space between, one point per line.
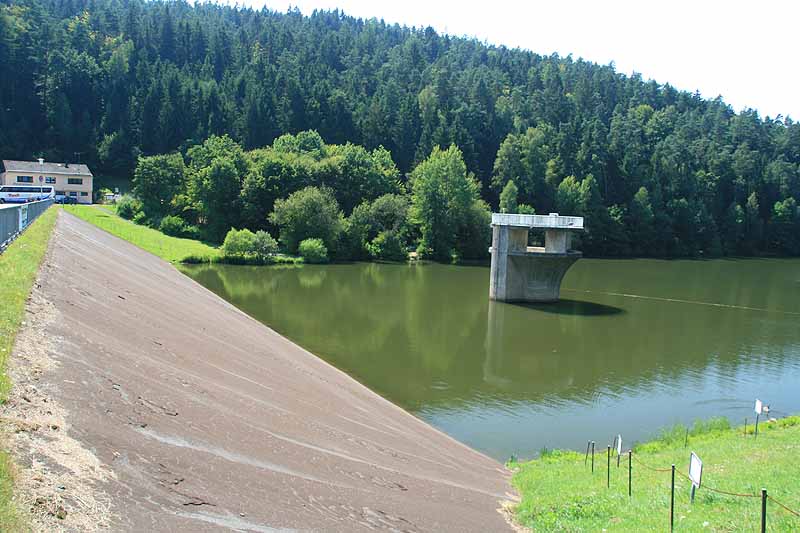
211 421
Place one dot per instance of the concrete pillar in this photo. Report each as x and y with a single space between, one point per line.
498 271
519 274
556 241
517 239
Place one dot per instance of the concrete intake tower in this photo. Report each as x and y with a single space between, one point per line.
522 273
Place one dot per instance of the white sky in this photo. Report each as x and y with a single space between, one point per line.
746 51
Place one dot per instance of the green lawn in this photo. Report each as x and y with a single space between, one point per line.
111 208
19 265
559 492
172 249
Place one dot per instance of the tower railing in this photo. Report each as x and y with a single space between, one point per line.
550 221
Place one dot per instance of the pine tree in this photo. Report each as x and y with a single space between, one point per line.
508 198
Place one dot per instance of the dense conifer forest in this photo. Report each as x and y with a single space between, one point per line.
656 171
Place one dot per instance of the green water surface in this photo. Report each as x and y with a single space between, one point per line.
634 345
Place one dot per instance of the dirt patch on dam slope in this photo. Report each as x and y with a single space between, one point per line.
178 412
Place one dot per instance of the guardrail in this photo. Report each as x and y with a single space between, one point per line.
15 218
551 221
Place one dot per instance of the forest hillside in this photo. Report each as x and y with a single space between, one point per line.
659 171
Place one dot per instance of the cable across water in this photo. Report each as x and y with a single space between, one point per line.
682 301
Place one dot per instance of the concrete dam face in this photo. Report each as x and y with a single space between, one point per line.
522 273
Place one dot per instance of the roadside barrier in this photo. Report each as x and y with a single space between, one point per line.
15 218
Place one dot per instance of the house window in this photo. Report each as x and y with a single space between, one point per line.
24 179
73 193
84 193
49 179
75 181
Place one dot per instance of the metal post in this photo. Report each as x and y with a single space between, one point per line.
608 468
588 443
630 454
745 427
592 457
756 427
763 510
672 502
686 440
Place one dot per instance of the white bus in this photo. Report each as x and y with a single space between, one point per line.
21 194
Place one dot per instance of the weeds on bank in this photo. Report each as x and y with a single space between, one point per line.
19 264
273 259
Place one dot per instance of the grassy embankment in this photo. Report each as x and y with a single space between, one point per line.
172 249
19 265
559 493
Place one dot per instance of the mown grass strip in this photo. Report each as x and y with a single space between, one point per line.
172 249
19 264
18 267
559 493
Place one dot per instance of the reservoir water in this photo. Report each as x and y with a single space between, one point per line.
634 345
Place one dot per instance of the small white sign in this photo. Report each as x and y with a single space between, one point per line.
23 217
619 444
695 469
759 407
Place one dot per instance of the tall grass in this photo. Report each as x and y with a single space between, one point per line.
678 433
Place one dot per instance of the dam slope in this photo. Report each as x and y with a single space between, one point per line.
204 419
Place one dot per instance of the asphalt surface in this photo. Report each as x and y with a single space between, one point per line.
211 421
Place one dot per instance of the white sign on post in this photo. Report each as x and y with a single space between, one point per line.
695 469
759 407
619 444
23 217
